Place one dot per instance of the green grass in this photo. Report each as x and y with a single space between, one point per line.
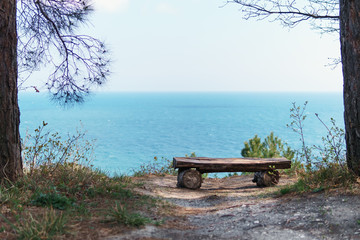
121 215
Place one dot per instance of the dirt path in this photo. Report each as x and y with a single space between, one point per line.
234 208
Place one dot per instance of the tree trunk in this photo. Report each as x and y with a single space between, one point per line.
350 54
10 146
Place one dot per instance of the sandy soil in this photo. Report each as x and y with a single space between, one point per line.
234 208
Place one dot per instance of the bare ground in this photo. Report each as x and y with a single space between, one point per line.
234 208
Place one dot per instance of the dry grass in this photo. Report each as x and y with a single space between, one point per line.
72 202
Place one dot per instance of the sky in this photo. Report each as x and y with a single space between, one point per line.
202 45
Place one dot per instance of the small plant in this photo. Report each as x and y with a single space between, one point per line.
333 149
156 167
54 200
191 155
298 116
121 215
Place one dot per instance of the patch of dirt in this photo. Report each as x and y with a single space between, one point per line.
234 208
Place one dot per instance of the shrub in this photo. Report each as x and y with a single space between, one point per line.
45 151
272 147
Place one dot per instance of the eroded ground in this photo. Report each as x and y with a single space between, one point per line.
234 208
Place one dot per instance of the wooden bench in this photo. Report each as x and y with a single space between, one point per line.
191 168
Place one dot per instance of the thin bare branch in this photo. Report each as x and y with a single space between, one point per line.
323 15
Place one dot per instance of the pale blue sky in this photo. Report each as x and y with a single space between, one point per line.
197 45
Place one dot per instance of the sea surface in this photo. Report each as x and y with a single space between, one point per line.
132 128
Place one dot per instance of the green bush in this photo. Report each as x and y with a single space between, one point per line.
54 200
271 147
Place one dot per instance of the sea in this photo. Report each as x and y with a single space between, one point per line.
130 129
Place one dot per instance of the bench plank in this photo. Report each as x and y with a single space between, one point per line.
209 165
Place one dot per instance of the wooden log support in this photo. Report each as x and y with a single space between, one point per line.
266 179
191 168
189 178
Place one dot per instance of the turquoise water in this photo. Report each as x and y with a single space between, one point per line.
132 128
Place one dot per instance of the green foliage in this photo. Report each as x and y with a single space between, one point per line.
54 200
121 215
272 147
253 148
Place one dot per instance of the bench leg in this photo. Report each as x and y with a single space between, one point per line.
189 178
267 178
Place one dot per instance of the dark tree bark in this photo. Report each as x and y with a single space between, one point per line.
10 146
350 54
